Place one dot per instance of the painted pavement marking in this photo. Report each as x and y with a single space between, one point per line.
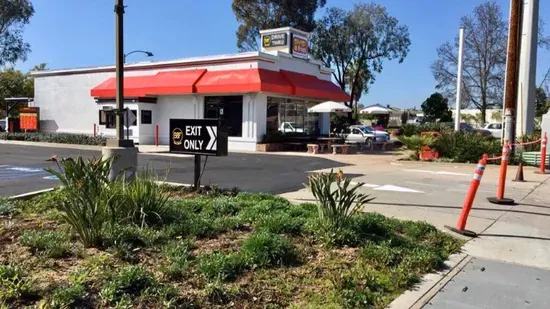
437 172
8 172
388 188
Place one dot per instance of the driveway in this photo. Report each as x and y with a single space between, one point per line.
22 169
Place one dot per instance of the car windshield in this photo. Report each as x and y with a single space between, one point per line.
295 125
367 129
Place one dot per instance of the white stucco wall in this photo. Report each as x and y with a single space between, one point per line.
66 105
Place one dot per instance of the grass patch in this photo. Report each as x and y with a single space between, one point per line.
14 283
266 249
219 266
211 249
134 284
52 244
179 258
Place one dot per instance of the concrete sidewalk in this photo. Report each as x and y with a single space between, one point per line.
510 236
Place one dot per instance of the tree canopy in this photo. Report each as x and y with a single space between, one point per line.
436 107
355 44
543 102
255 15
14 15
14 83
484 59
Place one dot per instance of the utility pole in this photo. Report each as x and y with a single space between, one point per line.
120 150
527 68
511 87
459 79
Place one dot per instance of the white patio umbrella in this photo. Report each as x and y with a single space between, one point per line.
375 110
329 107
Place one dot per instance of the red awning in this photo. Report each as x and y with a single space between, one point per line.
224 82
242 81
170 82
310 86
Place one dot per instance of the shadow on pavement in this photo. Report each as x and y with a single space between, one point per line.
265 173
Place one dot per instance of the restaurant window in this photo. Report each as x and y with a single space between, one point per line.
146 117
229 109
291 117
107 119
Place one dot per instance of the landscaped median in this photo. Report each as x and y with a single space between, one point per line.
101 244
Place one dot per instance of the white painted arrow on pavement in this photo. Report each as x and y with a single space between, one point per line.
437 172
388 188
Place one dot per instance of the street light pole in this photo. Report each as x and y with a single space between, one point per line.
119 10
147 53
119 140
459 78
121 151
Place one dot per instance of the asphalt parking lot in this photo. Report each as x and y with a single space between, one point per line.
22 169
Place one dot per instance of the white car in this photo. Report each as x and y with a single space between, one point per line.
495 128
366 135
287 127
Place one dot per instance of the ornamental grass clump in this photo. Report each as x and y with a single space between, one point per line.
92 202
337 201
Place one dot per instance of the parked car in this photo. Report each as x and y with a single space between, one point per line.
495 128
291 127
465 127
360 134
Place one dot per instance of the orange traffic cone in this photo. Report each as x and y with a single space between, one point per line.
519 173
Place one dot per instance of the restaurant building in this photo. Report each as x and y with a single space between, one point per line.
255 93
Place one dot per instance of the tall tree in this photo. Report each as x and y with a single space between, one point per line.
543 102
357 42
484 59
14 83
255 15
436 107
14 15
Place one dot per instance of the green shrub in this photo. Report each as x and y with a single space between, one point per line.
466 147
144 203
14 283
178 254
410 129
335 207
416 142
265 249
220 266
92 201
7 207
71 296
130 283
53 244
528 139
62 138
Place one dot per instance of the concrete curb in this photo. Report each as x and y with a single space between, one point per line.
52 145
431 284
29 195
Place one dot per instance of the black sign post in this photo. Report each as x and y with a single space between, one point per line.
198 137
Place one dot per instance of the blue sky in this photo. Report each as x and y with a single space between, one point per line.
69 33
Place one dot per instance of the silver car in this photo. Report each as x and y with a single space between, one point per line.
366 135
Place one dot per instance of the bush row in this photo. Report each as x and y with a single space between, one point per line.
61 138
